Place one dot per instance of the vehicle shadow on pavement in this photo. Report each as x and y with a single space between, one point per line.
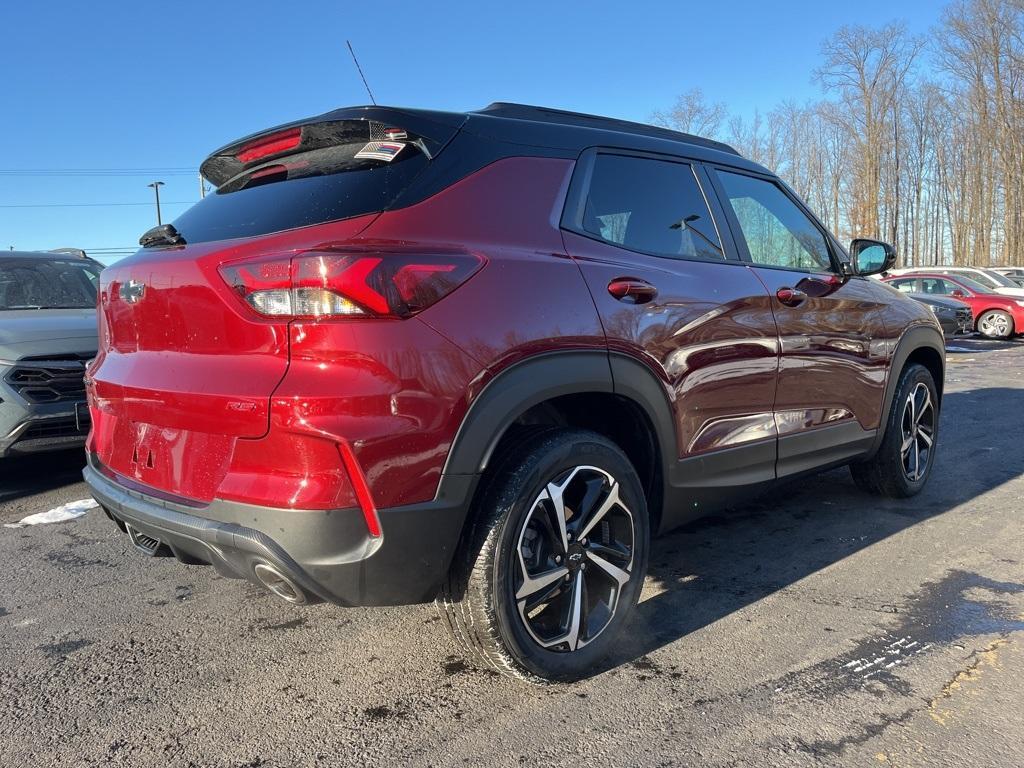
720 564
22 476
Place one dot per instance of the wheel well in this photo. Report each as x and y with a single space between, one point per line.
615 417
932 360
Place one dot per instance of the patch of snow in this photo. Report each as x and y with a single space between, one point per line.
68 511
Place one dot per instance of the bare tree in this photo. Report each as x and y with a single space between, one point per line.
923 146
692 113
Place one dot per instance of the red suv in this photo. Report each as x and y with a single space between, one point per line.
402 355
996 316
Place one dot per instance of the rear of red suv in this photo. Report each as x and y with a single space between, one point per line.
270 395
483 357
250 354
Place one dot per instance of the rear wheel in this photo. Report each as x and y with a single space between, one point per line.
995 324
555 560
905 458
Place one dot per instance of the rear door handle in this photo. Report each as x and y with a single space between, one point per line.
791 297
631 290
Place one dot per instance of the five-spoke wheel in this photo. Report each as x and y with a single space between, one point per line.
918 431
556 560
575 555
904 459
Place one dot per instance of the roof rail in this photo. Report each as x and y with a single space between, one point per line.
583 120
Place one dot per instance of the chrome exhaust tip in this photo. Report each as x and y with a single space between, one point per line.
282 586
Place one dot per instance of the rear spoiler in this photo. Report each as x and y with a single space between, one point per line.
433 129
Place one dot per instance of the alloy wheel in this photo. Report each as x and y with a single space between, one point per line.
918 432
575 556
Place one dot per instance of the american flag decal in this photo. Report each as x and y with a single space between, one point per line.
380 150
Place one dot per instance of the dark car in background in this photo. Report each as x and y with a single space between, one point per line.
996 316
954 316
47 335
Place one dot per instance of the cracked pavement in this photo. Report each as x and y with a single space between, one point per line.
814 626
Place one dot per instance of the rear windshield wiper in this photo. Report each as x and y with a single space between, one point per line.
165 234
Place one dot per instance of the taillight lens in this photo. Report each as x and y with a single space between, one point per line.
349 284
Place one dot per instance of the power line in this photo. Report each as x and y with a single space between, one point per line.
174 171
91 205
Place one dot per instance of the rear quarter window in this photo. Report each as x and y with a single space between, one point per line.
651 206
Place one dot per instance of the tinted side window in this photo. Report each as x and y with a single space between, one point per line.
937 286
652 206
777 232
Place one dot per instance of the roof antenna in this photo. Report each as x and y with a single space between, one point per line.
372 100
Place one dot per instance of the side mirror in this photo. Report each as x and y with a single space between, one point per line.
958 293
870 257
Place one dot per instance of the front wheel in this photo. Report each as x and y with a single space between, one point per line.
555 560
995 324
904 460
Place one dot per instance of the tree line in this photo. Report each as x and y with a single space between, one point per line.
917 141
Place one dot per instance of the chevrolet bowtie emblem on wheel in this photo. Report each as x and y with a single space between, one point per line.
132 291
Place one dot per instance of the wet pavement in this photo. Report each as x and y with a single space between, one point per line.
814 626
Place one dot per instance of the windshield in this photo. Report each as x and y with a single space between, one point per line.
48 284
1002 280
976 277
972 285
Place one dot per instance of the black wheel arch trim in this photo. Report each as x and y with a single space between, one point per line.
541 378
914 338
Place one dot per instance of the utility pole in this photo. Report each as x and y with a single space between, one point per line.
156 188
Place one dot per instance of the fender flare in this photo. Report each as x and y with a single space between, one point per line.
540 378
913 339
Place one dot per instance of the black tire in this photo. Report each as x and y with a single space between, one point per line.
995 324
892 471
512 523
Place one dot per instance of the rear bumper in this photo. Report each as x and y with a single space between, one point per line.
328 554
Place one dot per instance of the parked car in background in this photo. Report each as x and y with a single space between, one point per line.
483 357
47 334
1016 274
989 279
995 315
955 316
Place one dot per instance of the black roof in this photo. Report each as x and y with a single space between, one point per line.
514 124
584 120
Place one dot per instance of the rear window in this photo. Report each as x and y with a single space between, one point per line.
313 187
47 284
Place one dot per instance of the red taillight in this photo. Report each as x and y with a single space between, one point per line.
347 283
274 144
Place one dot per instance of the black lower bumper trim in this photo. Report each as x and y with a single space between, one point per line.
328 554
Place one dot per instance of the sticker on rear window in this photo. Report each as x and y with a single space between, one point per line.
380 150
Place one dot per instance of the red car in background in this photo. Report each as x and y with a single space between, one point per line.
995 316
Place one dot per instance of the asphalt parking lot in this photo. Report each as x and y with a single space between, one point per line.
816 625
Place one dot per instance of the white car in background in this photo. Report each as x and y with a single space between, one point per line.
1016 274
994 281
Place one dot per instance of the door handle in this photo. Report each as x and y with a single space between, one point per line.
631 290
791 297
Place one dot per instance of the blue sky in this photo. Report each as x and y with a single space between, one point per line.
142 85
